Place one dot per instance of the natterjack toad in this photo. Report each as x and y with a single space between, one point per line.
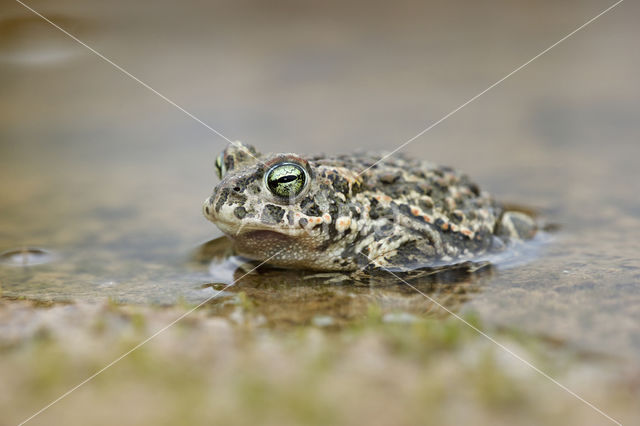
349 212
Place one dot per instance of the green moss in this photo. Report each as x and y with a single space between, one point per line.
50 367
244 302
493 387
419 339
303 375
138 322
373 316
290 401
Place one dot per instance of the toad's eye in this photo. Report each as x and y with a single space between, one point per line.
286 180
220 169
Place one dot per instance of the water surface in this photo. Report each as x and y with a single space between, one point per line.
109 178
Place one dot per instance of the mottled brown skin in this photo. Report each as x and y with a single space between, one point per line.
355 212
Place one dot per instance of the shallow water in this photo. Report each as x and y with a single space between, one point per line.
109 178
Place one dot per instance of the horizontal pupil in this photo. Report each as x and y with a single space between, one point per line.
288 178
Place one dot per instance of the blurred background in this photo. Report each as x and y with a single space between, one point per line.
110 178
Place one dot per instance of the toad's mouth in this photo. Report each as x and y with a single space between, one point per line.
258 231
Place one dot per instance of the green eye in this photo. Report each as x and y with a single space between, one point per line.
220 169
286 180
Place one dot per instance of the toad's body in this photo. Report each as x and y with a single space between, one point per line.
351 212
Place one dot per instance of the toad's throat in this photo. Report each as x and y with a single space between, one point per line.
263 236
261 244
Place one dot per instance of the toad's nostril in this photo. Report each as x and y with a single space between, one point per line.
207 206
237 188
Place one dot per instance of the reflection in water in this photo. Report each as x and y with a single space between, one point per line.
285 297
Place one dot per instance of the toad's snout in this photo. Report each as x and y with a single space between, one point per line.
208 208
